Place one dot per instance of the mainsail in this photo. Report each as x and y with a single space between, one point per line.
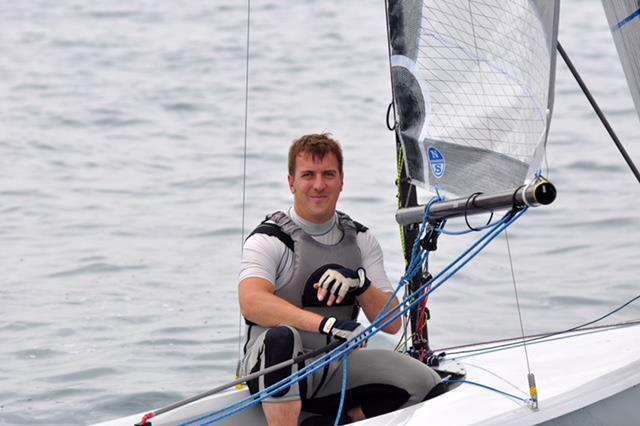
624 21
473 90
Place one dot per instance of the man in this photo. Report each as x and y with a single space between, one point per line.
305 274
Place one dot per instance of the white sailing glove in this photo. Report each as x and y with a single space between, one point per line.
339 281
341 329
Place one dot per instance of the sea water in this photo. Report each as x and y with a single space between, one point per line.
124 198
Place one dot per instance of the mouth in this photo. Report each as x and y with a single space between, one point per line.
318 198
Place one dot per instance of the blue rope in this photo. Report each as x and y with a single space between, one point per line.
355 342
472 251
381 322
343 392
437 188
418 257
218 415
444 275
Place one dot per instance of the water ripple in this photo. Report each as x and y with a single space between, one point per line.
80 375
169 342
33 354
23 325
95 268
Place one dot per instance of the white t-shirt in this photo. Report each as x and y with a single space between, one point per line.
267 257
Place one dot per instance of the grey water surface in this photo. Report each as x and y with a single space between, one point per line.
123 201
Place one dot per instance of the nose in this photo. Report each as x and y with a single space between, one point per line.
319 183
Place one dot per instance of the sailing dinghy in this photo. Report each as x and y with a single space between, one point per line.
473 86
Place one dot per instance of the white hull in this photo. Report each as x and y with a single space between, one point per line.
589 378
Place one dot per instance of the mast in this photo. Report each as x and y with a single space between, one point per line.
403 18
409 232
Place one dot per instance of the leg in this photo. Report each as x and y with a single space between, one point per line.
273 346
282 413
380 381
356 414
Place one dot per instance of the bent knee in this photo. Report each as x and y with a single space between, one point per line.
422 384
279 346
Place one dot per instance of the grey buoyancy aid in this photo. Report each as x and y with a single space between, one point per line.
310 259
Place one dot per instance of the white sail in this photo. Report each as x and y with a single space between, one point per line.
473 90
624 21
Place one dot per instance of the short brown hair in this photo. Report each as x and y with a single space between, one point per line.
318 145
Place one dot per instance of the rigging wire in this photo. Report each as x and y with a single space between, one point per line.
555 333
244 159
598 112
533 390
515 290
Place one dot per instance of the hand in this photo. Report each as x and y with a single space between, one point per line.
339 281
340 329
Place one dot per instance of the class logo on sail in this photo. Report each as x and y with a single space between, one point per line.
436 160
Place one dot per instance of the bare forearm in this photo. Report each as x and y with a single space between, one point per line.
268 310
372 302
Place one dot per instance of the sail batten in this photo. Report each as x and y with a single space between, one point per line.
472 85
624 20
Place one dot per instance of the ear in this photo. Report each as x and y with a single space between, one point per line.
290 179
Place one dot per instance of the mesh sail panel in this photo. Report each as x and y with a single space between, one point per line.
624 20
473 84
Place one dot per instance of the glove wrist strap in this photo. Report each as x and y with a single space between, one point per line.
326 325
365 282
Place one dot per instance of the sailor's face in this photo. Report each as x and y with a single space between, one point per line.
316 187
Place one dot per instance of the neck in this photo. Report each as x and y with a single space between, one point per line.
311 228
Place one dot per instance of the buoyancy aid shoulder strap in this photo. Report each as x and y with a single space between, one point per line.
360 227
269 228
346 221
